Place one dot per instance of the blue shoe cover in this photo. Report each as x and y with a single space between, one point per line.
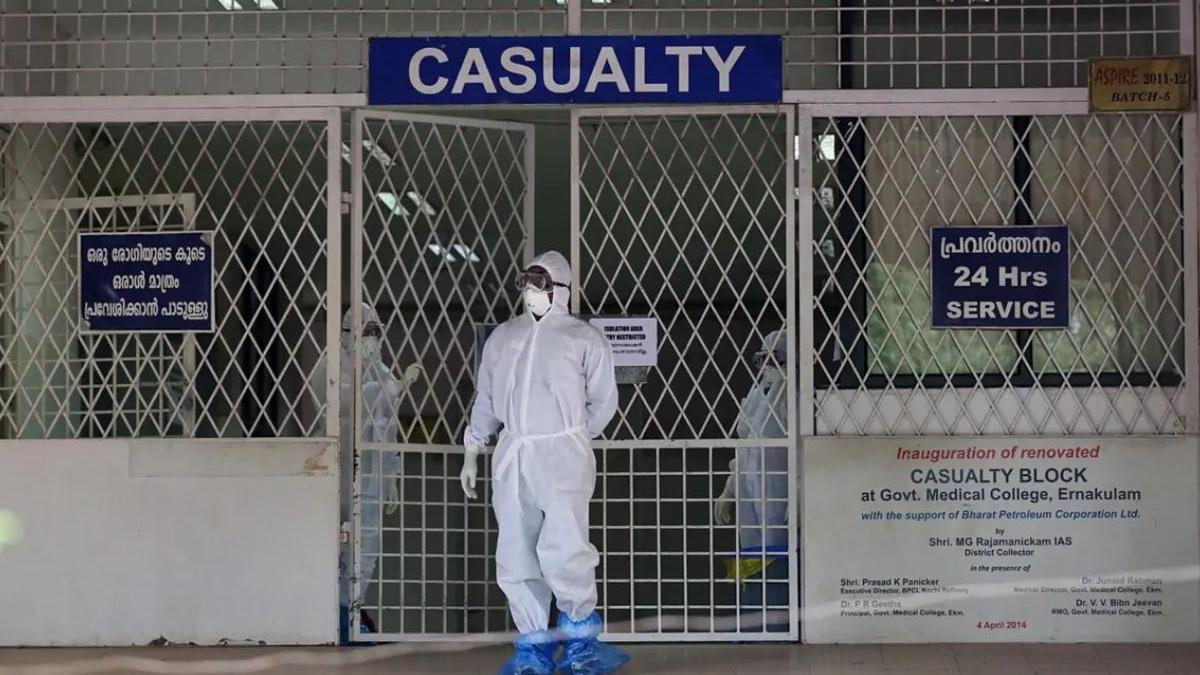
585 653
534 655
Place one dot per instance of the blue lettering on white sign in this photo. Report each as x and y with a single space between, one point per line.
155 281
1001 277
576 69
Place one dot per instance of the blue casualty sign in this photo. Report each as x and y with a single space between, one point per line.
576 69
158 282
1001 277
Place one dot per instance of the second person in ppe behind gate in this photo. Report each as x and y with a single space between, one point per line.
381 391
756 492
546 383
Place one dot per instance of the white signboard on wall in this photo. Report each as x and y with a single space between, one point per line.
634 339
1001 540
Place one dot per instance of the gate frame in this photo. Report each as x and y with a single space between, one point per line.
358 118
799 107
789 196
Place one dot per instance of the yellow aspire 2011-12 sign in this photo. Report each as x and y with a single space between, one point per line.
1153 84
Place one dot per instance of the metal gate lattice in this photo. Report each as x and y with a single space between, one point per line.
682 217
259 185
686 217
443 207
880 183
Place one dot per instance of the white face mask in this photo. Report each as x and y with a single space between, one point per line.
536 302
772 376
370 347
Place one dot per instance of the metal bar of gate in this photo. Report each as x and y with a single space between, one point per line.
800 393
802 208
356 294
333 274
575 206
1191 258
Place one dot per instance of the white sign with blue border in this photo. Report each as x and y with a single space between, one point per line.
1001 277
151 282
634 339
576 69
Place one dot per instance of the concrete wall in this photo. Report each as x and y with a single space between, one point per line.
196 541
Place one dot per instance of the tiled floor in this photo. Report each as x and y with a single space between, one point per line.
663 660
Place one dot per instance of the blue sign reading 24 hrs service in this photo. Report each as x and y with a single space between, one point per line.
1001 277
576 69
146 282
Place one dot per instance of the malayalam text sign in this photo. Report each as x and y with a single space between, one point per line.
577 69
634 339
1158 84
1000 277
146 282
995 539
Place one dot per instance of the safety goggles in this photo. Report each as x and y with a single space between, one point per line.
760 359
372 330
536 279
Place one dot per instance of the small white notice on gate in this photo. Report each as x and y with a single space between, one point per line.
1001 540
634 339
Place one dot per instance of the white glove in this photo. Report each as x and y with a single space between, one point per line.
470 470
723 509
393 498
412 374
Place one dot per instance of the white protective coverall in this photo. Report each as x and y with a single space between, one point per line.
761 473
550 382
381 391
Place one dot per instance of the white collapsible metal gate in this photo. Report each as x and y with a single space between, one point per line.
442 210
259 175
884 172
923 141
727 223
716 221
685 216
879 169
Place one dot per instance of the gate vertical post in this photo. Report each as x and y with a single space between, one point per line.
1191 275
530 160
576 263
795 376
333 272
804 244
356 296
575 16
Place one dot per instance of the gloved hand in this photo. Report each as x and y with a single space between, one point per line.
470 470
393 498
397 385
724 508
412 374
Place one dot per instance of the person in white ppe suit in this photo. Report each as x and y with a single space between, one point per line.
381 390
547 385
756 491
